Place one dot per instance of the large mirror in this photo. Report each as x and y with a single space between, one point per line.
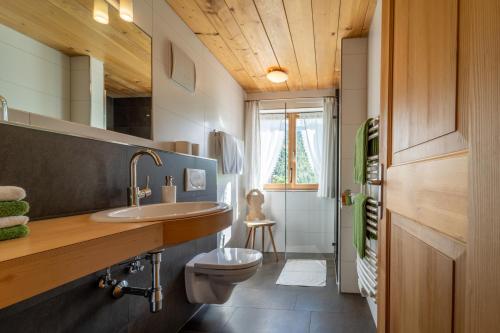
83 61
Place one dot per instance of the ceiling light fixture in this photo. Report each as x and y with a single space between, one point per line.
125 7
101 11
276 75
127 10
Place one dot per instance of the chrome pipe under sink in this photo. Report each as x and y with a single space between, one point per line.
154 293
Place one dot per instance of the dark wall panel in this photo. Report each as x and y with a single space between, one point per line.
66 175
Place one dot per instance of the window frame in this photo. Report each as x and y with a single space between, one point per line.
291 184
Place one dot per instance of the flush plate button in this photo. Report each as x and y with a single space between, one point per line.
195 180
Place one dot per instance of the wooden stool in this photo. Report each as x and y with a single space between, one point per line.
253 225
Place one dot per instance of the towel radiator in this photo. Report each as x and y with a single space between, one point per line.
367 266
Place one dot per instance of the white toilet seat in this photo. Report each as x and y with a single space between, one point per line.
227 259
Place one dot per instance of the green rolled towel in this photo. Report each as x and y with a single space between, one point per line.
360 153
14 232
13 208
359 227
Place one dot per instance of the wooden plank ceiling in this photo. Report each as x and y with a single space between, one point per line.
68 26
303 37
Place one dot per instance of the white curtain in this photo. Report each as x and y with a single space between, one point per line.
327 180
272 136
252 145
312 133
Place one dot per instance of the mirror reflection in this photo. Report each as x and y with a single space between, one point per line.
82 61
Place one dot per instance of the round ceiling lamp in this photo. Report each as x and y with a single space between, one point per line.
276 75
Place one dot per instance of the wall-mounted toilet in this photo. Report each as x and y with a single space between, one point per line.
211 277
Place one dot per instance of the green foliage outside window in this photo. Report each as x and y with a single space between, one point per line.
279 175
305 171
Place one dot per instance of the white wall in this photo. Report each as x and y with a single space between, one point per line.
87 105
34 77
177 113
374 61
353 106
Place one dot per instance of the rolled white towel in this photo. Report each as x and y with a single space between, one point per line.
12 193
11 221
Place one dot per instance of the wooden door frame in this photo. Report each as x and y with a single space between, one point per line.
481 32
385 157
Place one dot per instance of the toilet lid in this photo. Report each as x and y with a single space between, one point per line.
229 258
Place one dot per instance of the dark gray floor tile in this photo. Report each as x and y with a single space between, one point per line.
249 320
209 319
331 322
262 306
331 302
263 279
269 258
262 298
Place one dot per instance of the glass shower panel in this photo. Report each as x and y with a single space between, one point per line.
274 176
291 157
310 220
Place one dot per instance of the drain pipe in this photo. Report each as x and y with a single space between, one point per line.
156 297
4 114
154 293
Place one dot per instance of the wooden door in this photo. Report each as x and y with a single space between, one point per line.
422 238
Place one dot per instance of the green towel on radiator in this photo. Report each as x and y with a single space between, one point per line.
13 208
14 232
360 153
359 226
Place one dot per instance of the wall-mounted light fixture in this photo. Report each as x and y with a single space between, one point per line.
101 11
127 10
276 75
125 7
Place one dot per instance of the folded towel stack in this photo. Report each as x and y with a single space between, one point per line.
12 211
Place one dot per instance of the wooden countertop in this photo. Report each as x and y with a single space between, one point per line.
64 249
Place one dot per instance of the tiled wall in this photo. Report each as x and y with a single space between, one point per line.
35 77
67 175
304 222
353 111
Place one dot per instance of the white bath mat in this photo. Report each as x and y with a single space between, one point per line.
303 272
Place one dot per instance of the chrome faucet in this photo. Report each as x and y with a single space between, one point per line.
134 193
4 114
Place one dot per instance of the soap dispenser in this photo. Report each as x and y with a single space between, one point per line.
169 190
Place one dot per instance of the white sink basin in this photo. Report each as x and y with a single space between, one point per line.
159 212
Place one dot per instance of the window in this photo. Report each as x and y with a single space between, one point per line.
291 149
